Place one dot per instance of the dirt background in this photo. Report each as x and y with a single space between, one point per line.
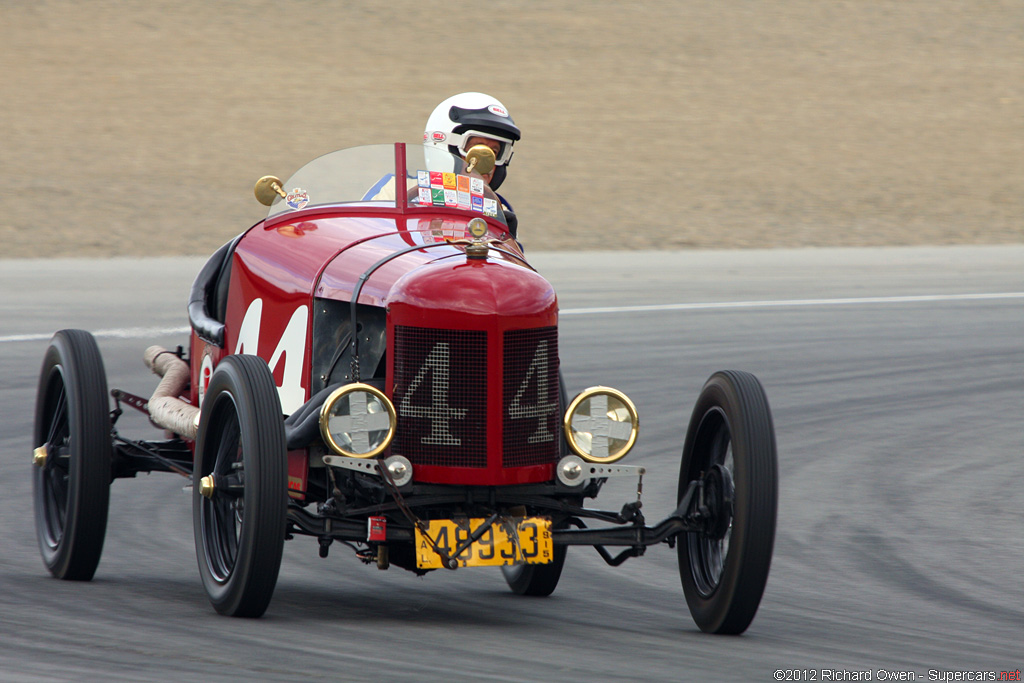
139 127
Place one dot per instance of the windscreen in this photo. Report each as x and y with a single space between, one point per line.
366 177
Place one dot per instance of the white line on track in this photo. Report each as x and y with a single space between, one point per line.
868 300
118 333
143 332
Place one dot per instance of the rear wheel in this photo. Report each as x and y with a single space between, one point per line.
730 445
73 457
239 519
539 580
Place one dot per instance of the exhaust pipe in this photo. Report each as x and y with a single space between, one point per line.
166 408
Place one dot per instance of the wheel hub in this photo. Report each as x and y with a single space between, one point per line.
719 494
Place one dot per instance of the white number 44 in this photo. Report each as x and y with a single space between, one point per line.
440 413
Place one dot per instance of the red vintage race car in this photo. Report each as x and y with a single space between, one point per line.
376 363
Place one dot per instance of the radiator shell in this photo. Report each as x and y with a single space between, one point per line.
458 324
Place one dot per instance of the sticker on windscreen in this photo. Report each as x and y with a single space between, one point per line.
454 190
297 198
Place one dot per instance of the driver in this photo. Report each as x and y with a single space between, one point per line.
473 118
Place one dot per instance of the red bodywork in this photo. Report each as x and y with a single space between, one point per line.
282 266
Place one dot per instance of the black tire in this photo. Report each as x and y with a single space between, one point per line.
239 533
724 578
72 490
540 580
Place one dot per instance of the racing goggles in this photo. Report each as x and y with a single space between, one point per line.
504 151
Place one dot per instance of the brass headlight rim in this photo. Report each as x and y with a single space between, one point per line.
590 392
338 393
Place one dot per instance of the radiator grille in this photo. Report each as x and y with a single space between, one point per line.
531 411
440 394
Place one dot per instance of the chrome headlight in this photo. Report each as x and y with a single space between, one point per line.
601 424
358 420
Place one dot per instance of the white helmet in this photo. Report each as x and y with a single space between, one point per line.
472 114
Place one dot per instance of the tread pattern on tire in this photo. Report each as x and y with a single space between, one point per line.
248 591
734 604
80 547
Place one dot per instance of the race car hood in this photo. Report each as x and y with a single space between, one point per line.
328 257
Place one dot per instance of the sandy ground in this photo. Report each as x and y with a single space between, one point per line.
139 127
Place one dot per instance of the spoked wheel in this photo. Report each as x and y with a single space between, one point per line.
240 491
730 445
540 580
71 480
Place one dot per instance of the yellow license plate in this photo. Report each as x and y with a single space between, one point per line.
513 540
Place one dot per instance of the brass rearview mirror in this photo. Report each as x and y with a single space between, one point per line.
268 188
480 158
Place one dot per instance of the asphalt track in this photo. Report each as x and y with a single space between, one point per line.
896 378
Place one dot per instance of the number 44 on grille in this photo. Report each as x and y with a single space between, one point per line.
380 366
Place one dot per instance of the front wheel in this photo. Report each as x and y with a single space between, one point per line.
730 447
73 456
240 494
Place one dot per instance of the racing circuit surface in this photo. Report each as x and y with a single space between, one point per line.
896 379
